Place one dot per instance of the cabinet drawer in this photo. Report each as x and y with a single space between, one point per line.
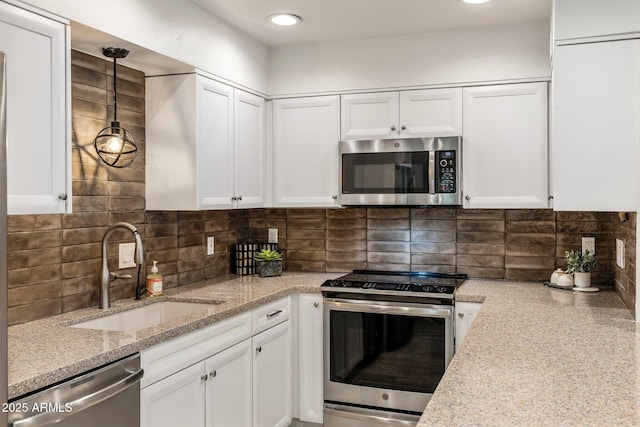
165 359
270 314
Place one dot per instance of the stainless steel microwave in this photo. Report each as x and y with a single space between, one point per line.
408 172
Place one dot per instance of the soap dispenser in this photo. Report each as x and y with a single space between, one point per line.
154 281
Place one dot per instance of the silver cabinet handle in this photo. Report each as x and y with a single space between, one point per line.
234 198
393 127
316 304
239 198
213 374
275 313
467 198
204 377
403 127
62 196
259 349
334 197
461 315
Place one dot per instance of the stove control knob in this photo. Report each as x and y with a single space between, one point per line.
347 284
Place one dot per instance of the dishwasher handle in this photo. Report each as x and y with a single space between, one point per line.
45 418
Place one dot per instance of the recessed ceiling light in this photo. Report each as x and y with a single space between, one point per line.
284 19
476 1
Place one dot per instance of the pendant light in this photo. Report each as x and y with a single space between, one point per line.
114 144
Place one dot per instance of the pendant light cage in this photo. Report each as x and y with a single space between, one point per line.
115 145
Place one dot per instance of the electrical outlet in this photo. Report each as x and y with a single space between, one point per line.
125 255
273 235
589 244
620 253
210 245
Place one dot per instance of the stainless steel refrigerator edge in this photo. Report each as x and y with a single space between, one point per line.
3 237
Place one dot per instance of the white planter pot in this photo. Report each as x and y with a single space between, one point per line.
582 280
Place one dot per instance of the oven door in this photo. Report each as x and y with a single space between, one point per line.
385 354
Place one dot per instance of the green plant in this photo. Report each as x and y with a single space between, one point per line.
268 255
577 262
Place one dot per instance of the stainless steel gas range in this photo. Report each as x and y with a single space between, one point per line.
388 338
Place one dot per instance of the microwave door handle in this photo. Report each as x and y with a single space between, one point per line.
432 172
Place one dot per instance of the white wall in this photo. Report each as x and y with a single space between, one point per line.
175 28
509 52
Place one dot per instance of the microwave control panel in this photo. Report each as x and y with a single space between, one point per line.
446 171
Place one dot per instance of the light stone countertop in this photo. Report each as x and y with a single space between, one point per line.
47 351
534 356
537 356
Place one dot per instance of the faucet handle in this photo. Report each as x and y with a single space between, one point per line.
114 276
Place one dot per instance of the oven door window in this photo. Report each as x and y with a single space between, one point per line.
387 351
385 173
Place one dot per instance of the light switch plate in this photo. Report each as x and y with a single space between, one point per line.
273 235
210 245
619 253
125 255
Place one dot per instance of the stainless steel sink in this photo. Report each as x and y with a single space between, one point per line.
145 317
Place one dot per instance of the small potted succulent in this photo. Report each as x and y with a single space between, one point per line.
580 265
268 263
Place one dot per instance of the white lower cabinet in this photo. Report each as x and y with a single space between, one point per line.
310 356
228 394
272 377
177 400
235 373
466 313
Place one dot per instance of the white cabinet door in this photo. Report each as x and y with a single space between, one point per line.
369 115
229 387
592 18
596 126
272 377
39 144
466 313
505 146
249 150
205 145
431 112
310 342
305 140
177 400
215 145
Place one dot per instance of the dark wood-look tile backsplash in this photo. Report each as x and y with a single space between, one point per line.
523 244
54 260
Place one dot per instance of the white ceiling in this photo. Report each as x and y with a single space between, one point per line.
327 20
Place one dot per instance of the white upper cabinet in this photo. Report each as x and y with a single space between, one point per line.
505 146
431 112
205 145
575 19
305 151
596 126
415 113
249 150
369 115
38 111
214 145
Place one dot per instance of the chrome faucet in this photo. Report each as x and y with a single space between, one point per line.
105 277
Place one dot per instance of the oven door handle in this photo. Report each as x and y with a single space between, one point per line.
419 310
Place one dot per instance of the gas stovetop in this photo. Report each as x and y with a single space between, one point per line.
414 284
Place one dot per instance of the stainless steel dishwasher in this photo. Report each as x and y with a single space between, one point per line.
106 397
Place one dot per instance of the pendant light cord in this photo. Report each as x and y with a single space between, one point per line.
115 96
